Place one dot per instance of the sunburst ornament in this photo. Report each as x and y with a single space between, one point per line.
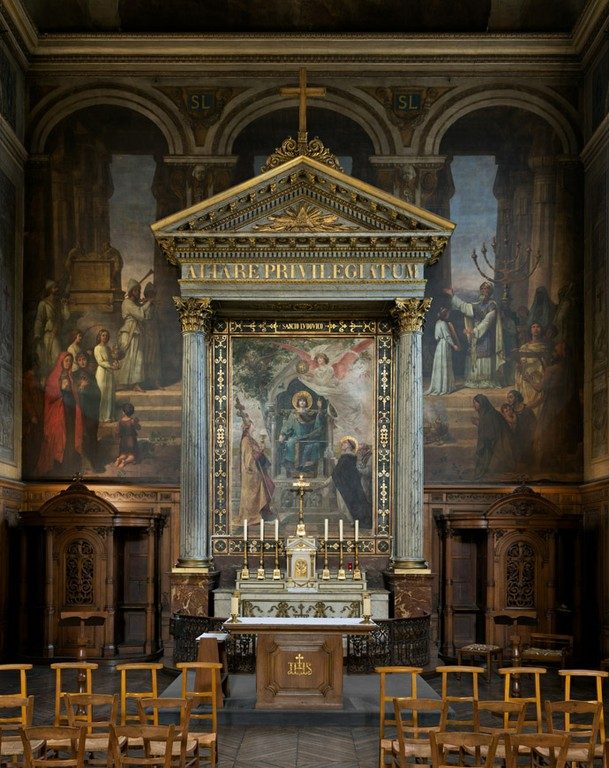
307 218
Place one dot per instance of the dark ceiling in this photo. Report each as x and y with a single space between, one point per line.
304 16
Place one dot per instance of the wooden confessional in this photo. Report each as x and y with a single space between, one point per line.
519 561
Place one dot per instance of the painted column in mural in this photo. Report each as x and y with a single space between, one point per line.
409 316
196 320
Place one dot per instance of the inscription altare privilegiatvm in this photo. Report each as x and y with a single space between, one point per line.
305 272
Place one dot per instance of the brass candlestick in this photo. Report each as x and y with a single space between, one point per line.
357 574
341 568
245 571
276 571
325 574
260 574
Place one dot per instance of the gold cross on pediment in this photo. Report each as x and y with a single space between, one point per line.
302 92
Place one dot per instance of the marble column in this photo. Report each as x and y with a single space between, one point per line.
407 554
196 320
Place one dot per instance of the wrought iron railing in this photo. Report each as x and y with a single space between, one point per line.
240 649
396 642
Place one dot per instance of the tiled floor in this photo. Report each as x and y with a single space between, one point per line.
285 746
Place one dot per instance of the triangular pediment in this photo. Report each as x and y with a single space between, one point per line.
302 197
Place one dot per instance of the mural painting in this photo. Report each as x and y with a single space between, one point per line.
503 398
7 318
100 386
305 405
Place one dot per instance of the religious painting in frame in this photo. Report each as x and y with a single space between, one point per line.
310 399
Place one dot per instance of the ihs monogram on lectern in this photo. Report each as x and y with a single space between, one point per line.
299 666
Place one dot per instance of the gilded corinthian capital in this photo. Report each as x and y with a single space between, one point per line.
409 314
195 315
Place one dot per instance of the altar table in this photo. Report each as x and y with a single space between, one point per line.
299 662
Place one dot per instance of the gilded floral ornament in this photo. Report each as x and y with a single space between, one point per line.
195 315
307 218
169 248
438 244
290 148
409 314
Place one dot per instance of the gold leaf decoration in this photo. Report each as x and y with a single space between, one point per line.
290 148
306 218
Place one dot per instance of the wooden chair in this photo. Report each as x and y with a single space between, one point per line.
147 693
73 738
16 712
22 669
583 735
142 738
386 710
206 739
486 718
590 674
529 673
481 746
97 712
84 681
185 750
457 671
545 648
547 748
413 725
484 650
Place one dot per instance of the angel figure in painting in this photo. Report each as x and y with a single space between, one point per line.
340 374
319 371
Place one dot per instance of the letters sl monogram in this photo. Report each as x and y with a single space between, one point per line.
299 666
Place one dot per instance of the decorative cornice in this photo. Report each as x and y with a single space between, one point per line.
196 315
409 314
180 249
290 148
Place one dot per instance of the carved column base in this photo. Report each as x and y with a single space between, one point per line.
411 593
191 591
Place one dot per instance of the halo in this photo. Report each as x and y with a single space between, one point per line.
351 439
302 395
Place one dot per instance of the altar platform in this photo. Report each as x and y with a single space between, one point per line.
360 702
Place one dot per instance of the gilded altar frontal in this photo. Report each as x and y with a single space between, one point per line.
310 398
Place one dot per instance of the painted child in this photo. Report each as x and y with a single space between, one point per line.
128 427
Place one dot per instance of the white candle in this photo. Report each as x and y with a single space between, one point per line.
367 609
245 530
356 529
340 530
326 529
261 529
234 605
277 529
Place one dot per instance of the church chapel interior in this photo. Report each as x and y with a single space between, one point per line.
304 315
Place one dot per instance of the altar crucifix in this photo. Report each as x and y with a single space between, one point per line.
301 486
302 92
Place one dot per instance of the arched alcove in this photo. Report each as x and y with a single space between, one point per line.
344 137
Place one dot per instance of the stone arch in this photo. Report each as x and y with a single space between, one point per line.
456 104
250 106
56 107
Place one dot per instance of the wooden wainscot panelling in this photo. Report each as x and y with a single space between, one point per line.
81 553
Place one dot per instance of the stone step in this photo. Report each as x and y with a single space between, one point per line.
150 430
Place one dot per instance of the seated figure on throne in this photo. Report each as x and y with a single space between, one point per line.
302 437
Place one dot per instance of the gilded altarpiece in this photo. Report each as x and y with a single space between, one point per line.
339 373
